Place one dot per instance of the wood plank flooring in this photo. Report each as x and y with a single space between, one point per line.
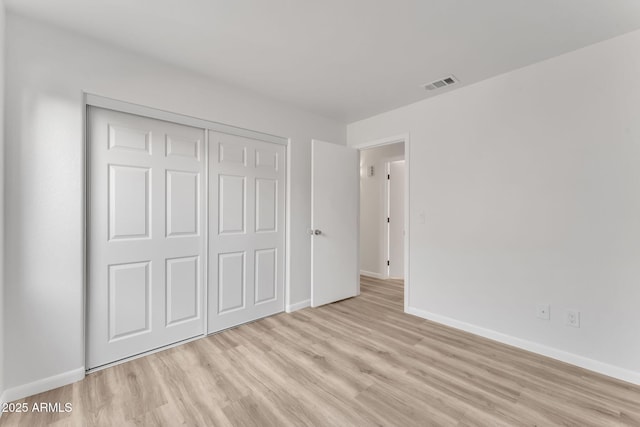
359 362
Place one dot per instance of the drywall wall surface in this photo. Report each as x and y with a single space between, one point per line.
529 184
48 69
2 67
373 253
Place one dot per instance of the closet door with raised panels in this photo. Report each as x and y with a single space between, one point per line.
246 229
146 210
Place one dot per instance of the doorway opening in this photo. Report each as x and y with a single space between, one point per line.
182 215
382 212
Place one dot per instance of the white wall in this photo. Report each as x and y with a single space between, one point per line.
373 254
530 183
47 71
2 65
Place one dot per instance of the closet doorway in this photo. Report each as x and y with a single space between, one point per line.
185 230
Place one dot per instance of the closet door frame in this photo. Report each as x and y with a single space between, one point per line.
92 100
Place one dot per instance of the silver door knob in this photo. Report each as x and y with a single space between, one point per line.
315 232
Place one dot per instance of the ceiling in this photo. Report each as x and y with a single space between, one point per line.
345 59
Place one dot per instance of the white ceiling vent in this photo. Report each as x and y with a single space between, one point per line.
443 82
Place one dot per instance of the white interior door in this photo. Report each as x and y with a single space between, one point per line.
335 204
396 219
246 230
145 240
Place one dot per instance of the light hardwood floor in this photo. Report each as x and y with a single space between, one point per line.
359 362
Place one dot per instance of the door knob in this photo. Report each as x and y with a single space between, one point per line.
315 232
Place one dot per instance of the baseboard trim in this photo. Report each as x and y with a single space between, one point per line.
290 308
45 384
372 274
534 347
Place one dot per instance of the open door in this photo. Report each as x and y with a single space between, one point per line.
335 205
395 219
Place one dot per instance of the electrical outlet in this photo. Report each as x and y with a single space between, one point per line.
543 311
573 318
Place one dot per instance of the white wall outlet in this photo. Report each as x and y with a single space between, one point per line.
543 311
573 318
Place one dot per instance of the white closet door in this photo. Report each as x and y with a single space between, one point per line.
145 242
246 230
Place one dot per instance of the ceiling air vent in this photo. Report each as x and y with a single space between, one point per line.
444 82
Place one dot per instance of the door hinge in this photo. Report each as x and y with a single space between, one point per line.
387 262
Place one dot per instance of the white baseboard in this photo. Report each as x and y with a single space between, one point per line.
42 385
372 274
534 347
298 306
